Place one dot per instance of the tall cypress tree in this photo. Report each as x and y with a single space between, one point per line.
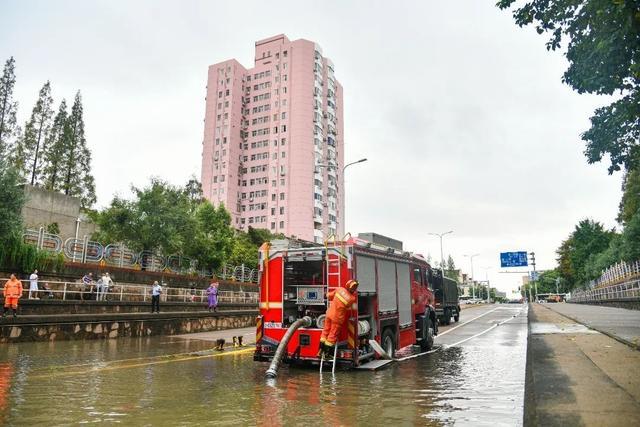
36 131
52 171
77 178
8 107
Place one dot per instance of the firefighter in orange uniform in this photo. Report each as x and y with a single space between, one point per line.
12 293
341 301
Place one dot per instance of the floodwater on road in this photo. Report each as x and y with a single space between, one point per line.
479 380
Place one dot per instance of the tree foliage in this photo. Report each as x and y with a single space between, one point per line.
76 158
12 196
30 147
602 39
630 202
176 220
8 107
54 150
575 254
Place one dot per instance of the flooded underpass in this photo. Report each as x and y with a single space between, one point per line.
475 378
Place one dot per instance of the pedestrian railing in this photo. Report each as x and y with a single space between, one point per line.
625 291
132 292
87 251
617 273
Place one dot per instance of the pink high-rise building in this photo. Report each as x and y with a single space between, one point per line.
273 141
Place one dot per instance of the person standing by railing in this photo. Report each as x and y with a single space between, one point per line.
87 282
156 290
33 285
104 289
212 296
12 293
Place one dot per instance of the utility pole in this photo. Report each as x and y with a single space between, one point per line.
473 288
441 235
535 276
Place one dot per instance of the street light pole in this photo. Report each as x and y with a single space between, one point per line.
344 209
473 288
441 235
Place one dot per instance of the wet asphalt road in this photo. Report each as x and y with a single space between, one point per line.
476 377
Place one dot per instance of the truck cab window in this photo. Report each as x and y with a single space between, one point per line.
417 275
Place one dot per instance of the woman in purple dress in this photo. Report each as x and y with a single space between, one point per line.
212 293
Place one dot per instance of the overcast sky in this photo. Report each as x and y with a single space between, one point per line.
462 114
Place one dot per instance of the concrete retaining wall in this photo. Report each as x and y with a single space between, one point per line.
81 327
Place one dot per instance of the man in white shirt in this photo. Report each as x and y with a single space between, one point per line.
33 285
156 290
104 289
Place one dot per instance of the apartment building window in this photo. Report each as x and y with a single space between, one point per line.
284 115
275 129
226 103
273 211
217 141
282 210
284 78
275 156
220 94
281 196
281 181
283 141
273 225
226 92
222 178
284 128
284 90
224 140
284 54
273 197
226 115
215 179
273 183
284 65
281 224
218 117
282 155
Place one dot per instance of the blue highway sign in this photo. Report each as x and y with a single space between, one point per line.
513 259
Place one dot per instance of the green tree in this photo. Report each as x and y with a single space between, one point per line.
603 50
630 240
8 107
76 158
589 238
53 156
13 198
450 269
630 202
213 242
36 131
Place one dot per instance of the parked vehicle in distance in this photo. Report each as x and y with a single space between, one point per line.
446 296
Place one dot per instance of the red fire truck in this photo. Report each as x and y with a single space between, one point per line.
394 306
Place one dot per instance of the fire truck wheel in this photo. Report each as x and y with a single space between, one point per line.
388 342
447 316
457 316
427 333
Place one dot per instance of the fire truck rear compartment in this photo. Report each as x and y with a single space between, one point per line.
304 292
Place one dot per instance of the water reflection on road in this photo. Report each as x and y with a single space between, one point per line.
134 382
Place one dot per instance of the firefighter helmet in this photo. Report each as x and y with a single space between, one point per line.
352 285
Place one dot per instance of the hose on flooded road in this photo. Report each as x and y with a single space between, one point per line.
305 322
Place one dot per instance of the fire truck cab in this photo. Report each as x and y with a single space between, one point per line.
394 304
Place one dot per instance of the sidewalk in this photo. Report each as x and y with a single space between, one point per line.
619 323
577 376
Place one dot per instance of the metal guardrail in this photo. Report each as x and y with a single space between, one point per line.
131 292
617 273
629 291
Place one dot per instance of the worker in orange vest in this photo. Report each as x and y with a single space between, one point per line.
341 301
12 293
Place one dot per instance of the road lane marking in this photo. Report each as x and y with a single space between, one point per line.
483 332
467 322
